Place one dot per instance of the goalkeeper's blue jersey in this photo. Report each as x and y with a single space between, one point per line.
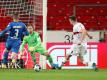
16 30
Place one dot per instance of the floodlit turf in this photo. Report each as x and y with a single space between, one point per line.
23 74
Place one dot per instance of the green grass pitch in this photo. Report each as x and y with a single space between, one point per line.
23 74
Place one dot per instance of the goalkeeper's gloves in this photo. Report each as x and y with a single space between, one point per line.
31 49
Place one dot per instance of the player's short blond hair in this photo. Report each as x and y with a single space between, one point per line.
30 26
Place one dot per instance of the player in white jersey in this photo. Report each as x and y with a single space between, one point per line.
79 47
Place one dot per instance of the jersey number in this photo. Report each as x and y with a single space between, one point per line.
68 38
16 32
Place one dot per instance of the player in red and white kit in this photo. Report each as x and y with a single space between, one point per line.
79 47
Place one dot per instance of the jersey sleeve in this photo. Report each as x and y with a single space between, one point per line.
25 31
23 43
80 27
7 29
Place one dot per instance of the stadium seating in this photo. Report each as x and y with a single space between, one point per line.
62 1
4 21
79 1
93 15
25 9
92 1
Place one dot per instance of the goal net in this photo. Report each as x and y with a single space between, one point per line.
30 11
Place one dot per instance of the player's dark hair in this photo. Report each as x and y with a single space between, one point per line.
73 18
16 15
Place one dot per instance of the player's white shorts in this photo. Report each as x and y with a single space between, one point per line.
78 49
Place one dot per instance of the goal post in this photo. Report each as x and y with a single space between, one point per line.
30 11
44 30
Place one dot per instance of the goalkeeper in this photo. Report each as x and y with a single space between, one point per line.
34 45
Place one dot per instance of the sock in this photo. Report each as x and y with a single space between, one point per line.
20 63
50 59
90 63
64 60
33 58
5 57
85 60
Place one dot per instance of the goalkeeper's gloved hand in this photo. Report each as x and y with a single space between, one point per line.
31 49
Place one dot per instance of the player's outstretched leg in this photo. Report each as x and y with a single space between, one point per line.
33 58
66 59
49 58
81 58
20 63
13 58
20 60
5 59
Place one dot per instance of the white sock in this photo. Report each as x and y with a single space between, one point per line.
63 60
84 62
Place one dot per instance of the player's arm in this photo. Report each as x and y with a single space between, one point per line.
22 47
25 31
6 30
84 33
89 35
23 43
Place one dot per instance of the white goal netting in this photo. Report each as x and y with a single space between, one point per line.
30 11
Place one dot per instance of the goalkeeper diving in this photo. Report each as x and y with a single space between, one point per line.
34 45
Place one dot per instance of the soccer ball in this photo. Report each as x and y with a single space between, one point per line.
37 68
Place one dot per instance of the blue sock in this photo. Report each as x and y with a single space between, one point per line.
5 57
55 65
